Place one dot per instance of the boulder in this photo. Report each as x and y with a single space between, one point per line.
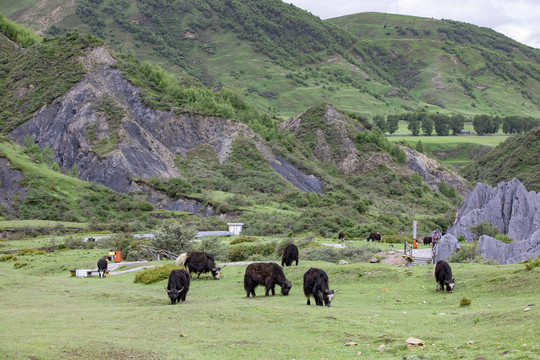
512 253
445 247
509 207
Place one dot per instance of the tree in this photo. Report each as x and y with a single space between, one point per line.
442 124
175 236
74 172
414 125
392 123
419 146
484 228
427 125
47 155
457 122
486 124
28 142
380 122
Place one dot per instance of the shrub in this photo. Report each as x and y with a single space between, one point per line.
72 243
465 301
484 228
461 238
19 264
244 239
467 254
175 236
27 251
352 253
213 246
152 275
7 257
395 239
243 252
504 238
531 264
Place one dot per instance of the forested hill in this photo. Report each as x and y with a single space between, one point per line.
283 59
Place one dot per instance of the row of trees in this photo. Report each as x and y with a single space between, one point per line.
445 124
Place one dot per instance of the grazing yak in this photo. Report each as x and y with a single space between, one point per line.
427 240
102 266
374 236
341 236
316 285
268 275
178 285
443 276
290 254
199 262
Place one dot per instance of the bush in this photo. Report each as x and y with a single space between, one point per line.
7 257
484 228
213 246
72 244
243 252
531 264
19 264
152 275
465 301
331 254
396 239
27 251
504 238
467 254
243 239
174 236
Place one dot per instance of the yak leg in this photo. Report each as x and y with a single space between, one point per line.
308 302
269 285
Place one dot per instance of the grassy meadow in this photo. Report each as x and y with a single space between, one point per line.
47 314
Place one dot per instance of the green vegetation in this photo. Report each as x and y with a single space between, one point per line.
518 156
39 75
19 34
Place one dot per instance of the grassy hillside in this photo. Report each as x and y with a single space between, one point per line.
518 156
283 60
116 318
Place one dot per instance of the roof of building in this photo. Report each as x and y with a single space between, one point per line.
213 233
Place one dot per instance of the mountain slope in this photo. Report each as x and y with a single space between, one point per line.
284 60
517 157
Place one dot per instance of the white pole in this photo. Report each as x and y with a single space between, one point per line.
414 230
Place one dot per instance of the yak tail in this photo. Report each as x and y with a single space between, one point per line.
181 260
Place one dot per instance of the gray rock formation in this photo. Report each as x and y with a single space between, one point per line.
148 141
10 191
446 246
433 173
509 207
512 253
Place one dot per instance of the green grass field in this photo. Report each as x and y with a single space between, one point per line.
46 314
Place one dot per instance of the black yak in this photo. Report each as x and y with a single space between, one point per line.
178 285
199 262
290 254
341 236
427 240
102 266
316 285
268 275
443 276
374 236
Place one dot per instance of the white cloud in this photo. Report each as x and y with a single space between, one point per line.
517 19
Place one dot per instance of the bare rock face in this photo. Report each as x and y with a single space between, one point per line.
512 253
140 142
445 247
10 190
432 172
509 207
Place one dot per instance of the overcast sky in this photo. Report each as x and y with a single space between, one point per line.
517 19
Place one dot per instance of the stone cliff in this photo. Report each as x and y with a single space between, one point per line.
134 141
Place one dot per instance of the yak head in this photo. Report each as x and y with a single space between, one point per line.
174 295
328 296
450 285
285 288
217 271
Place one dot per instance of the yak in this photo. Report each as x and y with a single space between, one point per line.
316 285
290 254
341 236
102 266
427 240
374 236
443 276
178 285
268 275
199 262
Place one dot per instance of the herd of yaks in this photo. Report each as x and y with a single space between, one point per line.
268 275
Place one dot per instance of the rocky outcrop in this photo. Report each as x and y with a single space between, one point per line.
141 142
433 173
512 253
509 207
445 247
11 193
